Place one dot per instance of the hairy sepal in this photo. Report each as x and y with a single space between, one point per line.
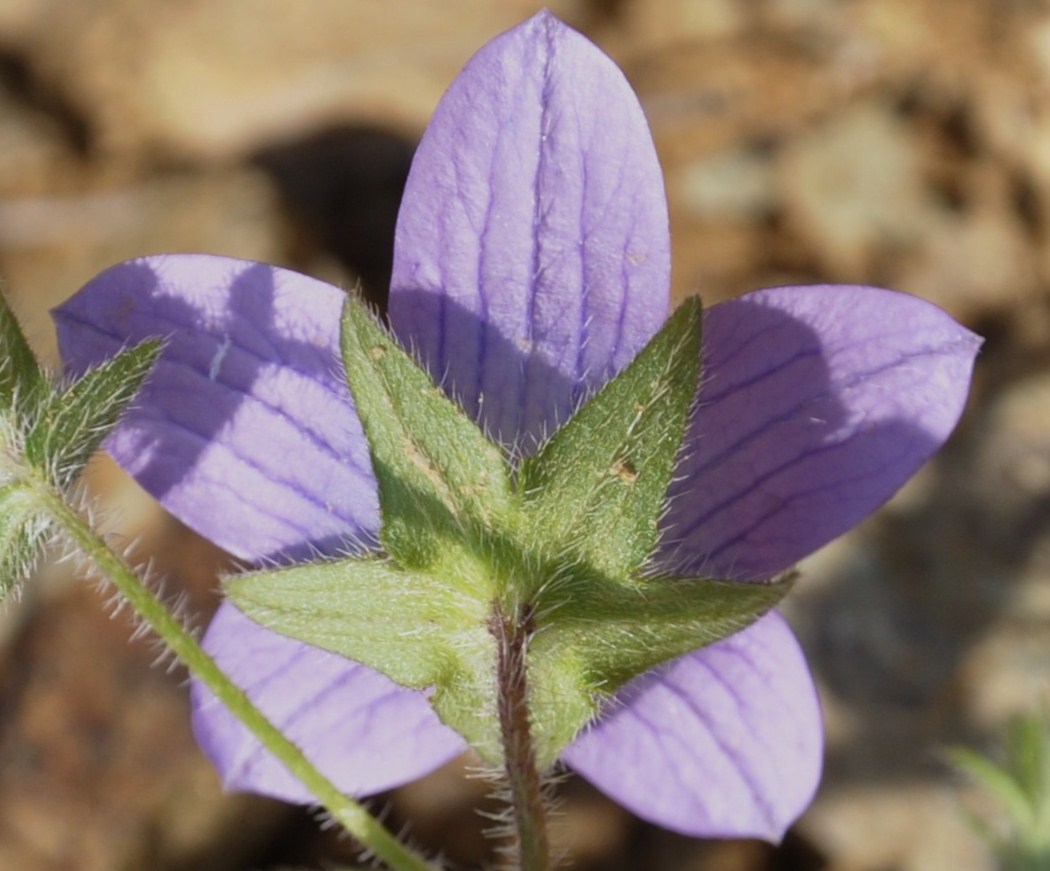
421 629
597 488
602 634
440 479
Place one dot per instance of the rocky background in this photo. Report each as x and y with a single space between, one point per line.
897 142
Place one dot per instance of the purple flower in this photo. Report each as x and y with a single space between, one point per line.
531 264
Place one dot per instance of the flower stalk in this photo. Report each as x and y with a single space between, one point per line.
350 814
522 773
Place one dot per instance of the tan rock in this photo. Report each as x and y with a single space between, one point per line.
208 79
50 245
855 185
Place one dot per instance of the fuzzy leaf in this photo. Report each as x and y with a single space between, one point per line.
440 479
24 386
415 627
23 535
22 380
597 488
997 780
74 422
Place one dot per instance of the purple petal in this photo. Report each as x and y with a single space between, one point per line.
532 252
722 742
365 732
817 404
246 430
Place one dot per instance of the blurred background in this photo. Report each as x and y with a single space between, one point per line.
904 143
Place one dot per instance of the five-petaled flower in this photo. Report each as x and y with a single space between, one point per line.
531 264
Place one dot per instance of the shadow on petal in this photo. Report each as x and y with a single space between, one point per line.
510 366
245 431
816 405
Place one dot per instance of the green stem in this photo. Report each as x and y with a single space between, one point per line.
523 776
349 813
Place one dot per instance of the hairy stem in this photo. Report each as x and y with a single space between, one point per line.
347 812
523 776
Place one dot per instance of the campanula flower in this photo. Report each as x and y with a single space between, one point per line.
531 264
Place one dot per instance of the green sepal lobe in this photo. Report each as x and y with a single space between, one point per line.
415 627
621 631
597 488
440 479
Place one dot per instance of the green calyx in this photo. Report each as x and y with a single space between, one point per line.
555 546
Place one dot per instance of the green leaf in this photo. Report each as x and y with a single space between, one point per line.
597 487
417 629
1028 754
24 533
1021 785
24 387
996 780
22 381
73 423
440 479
